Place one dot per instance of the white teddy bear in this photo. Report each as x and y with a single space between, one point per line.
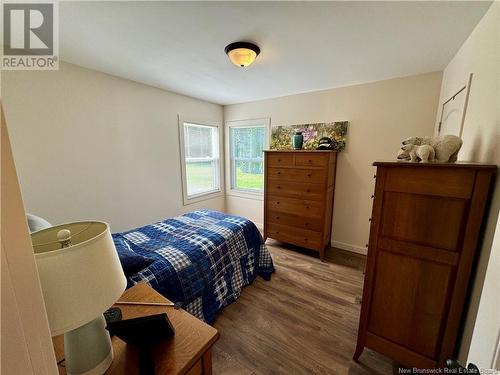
414 153
446 147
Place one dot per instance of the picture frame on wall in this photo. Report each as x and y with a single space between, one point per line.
453 111
282 135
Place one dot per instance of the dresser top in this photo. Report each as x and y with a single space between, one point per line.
458 164
304 151
174 356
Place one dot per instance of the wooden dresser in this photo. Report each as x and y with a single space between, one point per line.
298 197
426 221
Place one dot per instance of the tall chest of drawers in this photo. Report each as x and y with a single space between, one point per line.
424 234
298 197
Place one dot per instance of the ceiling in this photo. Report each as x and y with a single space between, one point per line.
306 46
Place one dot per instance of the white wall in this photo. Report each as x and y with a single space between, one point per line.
480 55
92 146
380 115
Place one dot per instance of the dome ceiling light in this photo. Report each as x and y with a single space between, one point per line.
242 54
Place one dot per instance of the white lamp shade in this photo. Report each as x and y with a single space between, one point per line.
81 281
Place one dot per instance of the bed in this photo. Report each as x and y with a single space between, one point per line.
201 260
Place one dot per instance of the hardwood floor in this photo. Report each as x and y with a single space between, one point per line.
303 321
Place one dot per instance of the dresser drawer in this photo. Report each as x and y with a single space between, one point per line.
443 182
296 174
302 237
295 206
311 160
302 190
296 221
279 159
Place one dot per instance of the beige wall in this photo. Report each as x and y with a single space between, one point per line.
26 344
480 55
92 146
380 115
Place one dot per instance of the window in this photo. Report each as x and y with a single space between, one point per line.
247 142
201 160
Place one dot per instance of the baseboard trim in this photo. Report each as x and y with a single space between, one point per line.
352 248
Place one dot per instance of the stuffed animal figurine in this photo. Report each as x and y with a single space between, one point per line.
446 147
414 153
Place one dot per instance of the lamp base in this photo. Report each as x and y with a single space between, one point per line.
100 369
88 349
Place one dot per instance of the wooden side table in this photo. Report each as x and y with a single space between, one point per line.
188 352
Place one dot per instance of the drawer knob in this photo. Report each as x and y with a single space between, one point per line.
370 219
277 217
308 175
310 161
306 224
278 202
279 160
279 187
366 245
373 196
374 176
308 190
307 207
305 239
279 172
277 232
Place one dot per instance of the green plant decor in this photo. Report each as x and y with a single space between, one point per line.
282 135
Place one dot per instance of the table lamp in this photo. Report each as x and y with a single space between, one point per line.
81 277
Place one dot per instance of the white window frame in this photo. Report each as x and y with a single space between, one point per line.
190 199
259 122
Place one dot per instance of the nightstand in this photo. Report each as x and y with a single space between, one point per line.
188 352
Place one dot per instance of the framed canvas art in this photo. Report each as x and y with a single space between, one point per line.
281 135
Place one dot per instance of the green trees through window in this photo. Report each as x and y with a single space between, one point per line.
247 164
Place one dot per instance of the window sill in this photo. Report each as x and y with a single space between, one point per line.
257 196
202 197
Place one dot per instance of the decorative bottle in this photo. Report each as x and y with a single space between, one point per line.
297 140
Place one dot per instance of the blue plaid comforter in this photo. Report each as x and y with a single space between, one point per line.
202 259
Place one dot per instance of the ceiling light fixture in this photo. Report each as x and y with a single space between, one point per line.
242 54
